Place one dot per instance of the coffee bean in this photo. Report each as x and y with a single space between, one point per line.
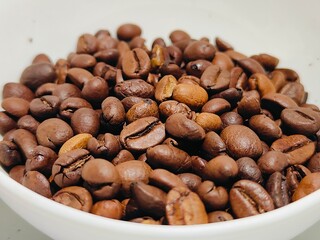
144 108
250 66
249 105
231 118
170 107
37 182
135 87
248 169
75 197
191 180
164 88
62 66
108 208
179 35
7 123
165 180
16 107
136 63
273 161
9 154
101 178
222 45
214 79
197 67
87 43
184 207
278 190
18 90
223 61
238 78
209 121
70 105
308 185
314 163
248 198
44 107
66 90
128 31
267 61
79 76
25 141
234 55
219 216
294 90
109 56
95 90
212 145
294 175
232 95
199 50
241 141
289 74
261 83
216 106
123 156
45 89
17 173
82 60
76 142
41 58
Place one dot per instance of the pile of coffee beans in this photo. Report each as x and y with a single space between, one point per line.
184 133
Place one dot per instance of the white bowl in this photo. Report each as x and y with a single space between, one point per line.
287 29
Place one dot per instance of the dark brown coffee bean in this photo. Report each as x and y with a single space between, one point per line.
44 107
16 107
165 180
219 216
17 173
197 67
45 89
278 190
238 78
199 50
251 66
79 76
170 107
132 171
298 148
113 112
231 118
168 157
214 197
222 45
145 108
248 169
129 102
7 123
248 198
241 141
53 133
171 69
308 185
37 74
178 125
87 43
265 127
128 31
221 169
136 63
272 161
267 61
185 208
135 87
108 208
191 180
214 79
179 35
105 146
41 160
25 140
9 154
75 197
212 145
95 90
109 56
175 54
101 178
142 134
249 105
294 175
261 83
149 199
37 182
66 170
314 163
70 105
85 120
41 58
18 90
301 120
66 90
28 122
123 156
217 106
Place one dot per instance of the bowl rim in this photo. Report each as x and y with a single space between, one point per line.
10 186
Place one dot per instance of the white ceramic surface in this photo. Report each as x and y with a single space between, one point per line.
287 29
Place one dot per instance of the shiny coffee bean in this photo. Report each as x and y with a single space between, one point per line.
17 173
261 83
248 169
222 45
9 154
85 120
18 90
104 146
87 43
213 145
144 108
179 35
123 156
273 161
294 175
216 106
44 107
29 123
231 118
170 107
25 141
209 121
78 141
128 31
45 89
223 61
197 67
17 107
72 104
295 90
66 90
136 63
191 180
108 208
134 87
165 180
82 60
37 182
267 61
251 66
308 185
199 50
278 189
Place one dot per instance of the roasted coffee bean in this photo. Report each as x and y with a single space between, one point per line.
53 133
197 67
308 185
135 87
28 122
45 89
66 170
146 220
101 178
219 216
314 163
171 69
123 156
289 74
265 127
221 169
179 35
273 161
6 123
41 58
75 197
25 141
149 199
85 120
87 43
144 108
199 50
105 146
223 61
235 56
132 171
301 120
249 106
109 56
158 41
278 79
142 134
37 74
16 107
41 160
113 112
278 190
170 107
102 33
214 197
108 208
241 141
18 90
9 154
214 79
238 78
164 88
231 118
44 107
72 104
216 106
79 76
267 61
294 175
82 60
159 56
184 207
232 95
212 145
298 148
136 63
250 66
168 157
165 180
261 83
222 45
95 90
248 198
62 66
192 95
178 125
37 182
294 90
129 102
248 169
209 121
66 90
17 173
191 180
128 31
76 142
